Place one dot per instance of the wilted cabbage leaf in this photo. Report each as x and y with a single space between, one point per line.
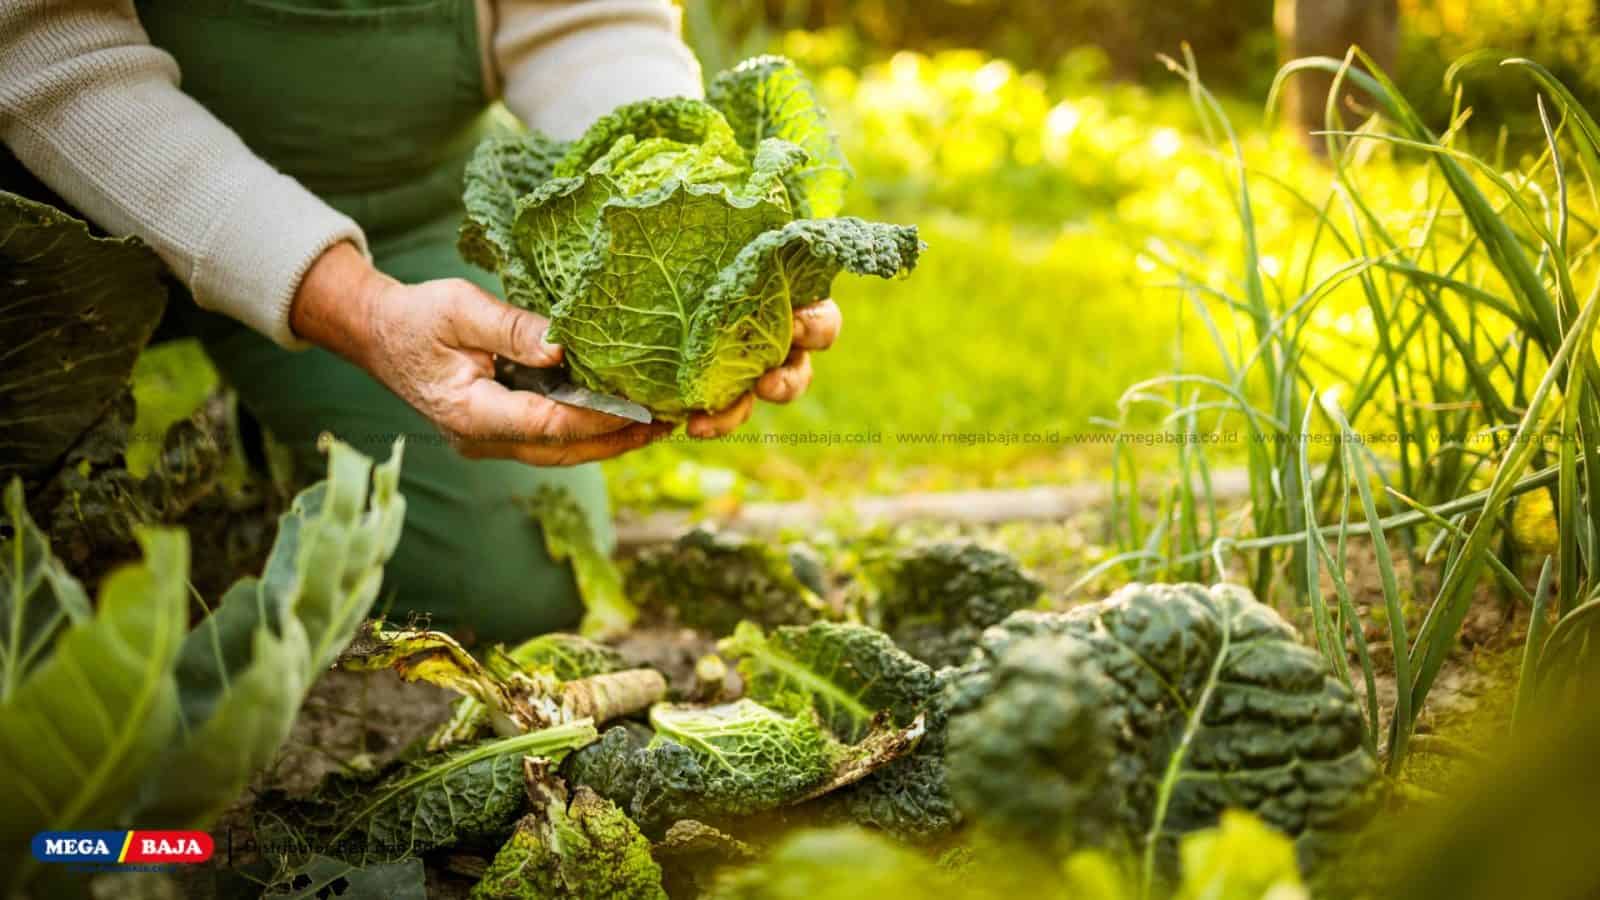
664 244
580 847
87 305
565 657
515 697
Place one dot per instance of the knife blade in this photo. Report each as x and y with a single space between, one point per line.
557 384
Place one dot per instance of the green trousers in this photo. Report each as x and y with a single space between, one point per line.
375 106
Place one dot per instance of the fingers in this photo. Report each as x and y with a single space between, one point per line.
481 322
492 412
573 453
817 326
788 381
716 424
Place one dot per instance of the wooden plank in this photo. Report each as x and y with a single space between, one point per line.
1045 503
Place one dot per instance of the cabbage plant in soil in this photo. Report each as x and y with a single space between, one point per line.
671 243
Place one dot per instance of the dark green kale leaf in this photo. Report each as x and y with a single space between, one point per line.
1210 698
1029 753
713 580
466 796
936 599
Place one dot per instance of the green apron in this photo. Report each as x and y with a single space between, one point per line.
374 105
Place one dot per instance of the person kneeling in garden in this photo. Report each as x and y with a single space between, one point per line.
305 184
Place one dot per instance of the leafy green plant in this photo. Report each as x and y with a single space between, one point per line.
125 715
714 580
470 794
1473 370
1209 701
853 676
727 761
936 599
732 181
580 846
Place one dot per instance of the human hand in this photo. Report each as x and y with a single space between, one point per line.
433 344
816 327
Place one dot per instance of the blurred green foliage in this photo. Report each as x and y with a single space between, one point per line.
1233 39
1560 35
1235 34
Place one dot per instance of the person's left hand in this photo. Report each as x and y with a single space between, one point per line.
816 327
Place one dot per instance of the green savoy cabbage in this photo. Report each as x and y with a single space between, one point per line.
671 243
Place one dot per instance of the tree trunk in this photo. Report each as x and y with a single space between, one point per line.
1329 28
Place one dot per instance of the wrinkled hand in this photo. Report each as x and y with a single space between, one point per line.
433 344
816 327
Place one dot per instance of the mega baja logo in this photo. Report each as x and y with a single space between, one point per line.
122 847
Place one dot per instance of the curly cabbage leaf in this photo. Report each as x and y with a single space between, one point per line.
851 675
471 794
936 599
1212 702
713 580
566 656
502 170
664 244
722 762
1030 760
582 848
768 97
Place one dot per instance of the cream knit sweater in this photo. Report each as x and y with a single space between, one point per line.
96 112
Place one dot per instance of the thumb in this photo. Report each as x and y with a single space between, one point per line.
484 323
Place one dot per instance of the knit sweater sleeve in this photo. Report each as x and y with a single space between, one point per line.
95 112
561 65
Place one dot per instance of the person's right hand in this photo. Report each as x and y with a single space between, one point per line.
433 344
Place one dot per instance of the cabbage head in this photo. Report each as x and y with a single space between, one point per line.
671 243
